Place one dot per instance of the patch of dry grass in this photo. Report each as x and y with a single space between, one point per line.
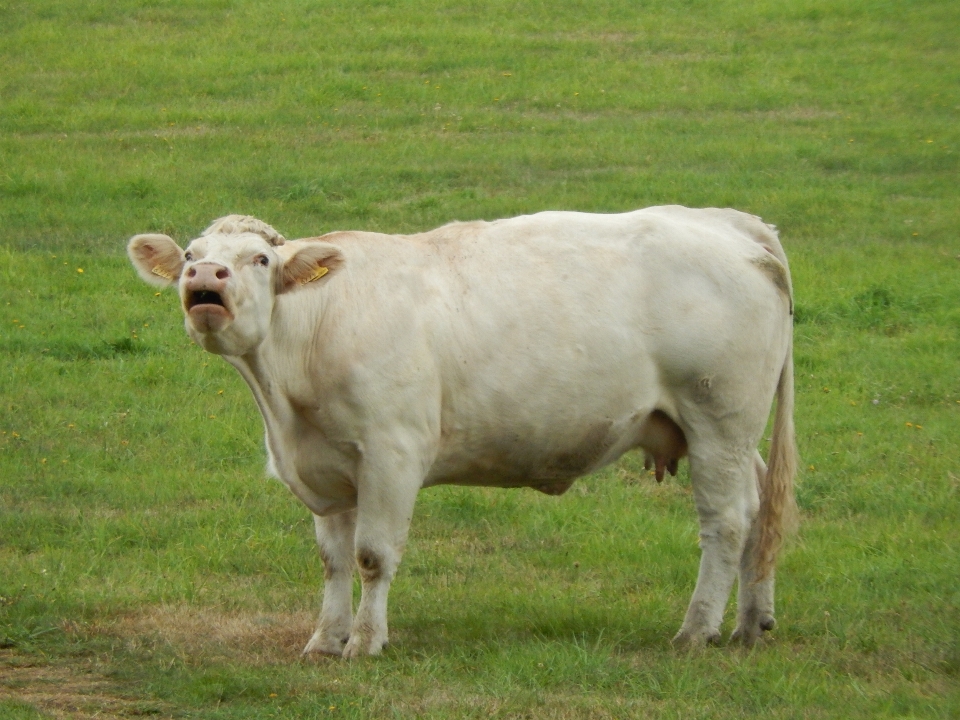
70 689
200 634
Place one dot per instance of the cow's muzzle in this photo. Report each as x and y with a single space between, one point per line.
204 293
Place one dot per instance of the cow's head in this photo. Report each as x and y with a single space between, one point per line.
229 277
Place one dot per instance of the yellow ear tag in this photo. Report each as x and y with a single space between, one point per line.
317 274
160 272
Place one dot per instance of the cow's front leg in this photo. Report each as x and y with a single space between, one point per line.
335 536
384 511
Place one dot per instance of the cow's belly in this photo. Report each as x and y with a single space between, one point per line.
547 457
559 398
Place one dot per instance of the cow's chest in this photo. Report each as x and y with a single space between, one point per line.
303 456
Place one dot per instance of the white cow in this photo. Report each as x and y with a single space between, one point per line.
520 352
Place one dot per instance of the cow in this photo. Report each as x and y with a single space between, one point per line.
524 352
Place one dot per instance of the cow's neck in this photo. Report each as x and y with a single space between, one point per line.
272 369
277 414
273 404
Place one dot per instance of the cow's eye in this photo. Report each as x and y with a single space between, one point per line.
188 256
262 260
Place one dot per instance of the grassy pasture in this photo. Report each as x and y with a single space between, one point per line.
146 567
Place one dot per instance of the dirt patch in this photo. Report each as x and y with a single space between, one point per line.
81 689
76 690
198 634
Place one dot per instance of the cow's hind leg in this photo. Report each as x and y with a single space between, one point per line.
335 536
754 598
719 476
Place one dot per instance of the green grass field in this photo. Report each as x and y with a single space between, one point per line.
147 567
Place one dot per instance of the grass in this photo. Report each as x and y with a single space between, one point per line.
146 567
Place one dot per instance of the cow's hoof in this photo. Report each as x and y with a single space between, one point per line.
356 648
751 627
689 640
745 636
321 644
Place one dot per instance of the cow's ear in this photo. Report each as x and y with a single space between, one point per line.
312 263
157 258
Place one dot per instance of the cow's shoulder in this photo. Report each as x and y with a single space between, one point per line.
451 233
338 237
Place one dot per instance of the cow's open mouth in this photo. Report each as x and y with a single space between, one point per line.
204 297
207 311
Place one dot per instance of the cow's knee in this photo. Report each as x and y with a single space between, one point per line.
332 565
370 564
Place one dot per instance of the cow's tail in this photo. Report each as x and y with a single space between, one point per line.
778 507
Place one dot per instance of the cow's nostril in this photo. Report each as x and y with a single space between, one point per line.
192 272
223 274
